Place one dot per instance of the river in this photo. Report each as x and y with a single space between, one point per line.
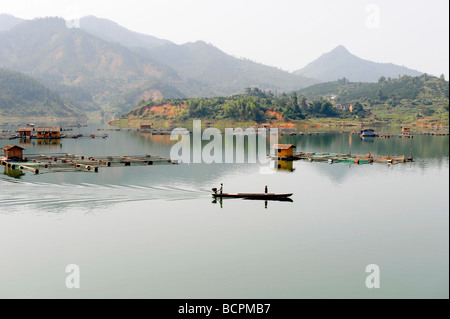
155 232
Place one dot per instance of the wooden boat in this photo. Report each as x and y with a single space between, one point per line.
263 196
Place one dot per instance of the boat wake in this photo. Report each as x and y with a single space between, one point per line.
57 197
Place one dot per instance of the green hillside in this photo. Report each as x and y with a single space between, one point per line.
407 97
22 96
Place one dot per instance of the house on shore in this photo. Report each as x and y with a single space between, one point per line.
341 107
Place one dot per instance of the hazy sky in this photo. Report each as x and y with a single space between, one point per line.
287 34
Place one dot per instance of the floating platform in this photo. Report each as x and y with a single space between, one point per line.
8 137
65 162
346 158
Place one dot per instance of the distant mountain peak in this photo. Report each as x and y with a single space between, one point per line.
93 21
340 63
113 32
8 16
340 49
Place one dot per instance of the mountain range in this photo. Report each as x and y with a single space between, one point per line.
78 64
340 63
217 72
103 66
113 70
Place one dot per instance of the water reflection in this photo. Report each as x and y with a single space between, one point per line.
280 165
14 173
422 145
368 139
49 144
220 201
41 144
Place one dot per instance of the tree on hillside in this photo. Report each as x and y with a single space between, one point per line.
302 102
327 109
255 92
358 110
380 96
292 110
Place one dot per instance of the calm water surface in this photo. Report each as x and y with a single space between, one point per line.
155 232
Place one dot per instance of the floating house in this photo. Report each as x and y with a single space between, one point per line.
25 132
284 150
147 126
406 132
13 153
406 129
368 133
48 132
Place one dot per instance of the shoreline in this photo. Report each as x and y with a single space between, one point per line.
307 125
314 124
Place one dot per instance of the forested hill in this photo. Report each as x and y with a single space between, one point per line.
254 105
23 96
421 90
407 99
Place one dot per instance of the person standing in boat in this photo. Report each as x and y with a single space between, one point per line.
266 189
221 188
